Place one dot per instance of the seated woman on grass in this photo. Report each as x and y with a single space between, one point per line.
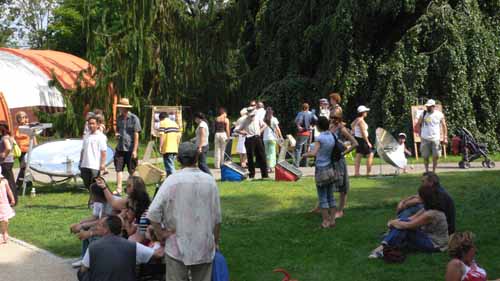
463 266
426 231
137 200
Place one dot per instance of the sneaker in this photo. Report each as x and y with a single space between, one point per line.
376 255
77 263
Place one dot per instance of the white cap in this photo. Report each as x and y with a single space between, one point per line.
402 135
363 108
430 102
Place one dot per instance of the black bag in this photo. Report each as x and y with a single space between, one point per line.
393 254
338 149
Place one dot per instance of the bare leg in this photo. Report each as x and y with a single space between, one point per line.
369 164
3 230
426 164
243 160
332 213
434 163
342 200
119 177
357 164
326 217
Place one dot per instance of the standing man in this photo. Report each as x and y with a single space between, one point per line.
304 121
433 131
93 155
128 128
252 128
188 206
170 137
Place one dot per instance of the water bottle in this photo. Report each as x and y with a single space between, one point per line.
33 192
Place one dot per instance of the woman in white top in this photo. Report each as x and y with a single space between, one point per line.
240 147
365 147
271 136
463 266
201 141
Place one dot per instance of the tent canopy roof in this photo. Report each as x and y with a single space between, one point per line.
65 67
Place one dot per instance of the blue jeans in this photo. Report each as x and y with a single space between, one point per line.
169 162
409 238
87 242
408 212
325 196
202 160
301 141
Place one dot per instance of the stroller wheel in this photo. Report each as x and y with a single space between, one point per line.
491 164
464 164
485 164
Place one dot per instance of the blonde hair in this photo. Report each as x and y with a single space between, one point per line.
19 114
460 243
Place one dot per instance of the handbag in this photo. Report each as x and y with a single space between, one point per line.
16 150
393 254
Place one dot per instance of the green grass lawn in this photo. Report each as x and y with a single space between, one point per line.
267 225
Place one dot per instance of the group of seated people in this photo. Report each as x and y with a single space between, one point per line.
116 223
426 222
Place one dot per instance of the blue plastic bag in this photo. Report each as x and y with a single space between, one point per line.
220 271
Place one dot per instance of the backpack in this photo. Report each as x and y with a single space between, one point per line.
338 149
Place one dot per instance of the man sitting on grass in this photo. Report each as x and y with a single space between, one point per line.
112 257
413 205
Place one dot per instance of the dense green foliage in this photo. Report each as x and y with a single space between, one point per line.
266 225
385 54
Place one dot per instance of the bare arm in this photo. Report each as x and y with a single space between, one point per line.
408 202
419 123
103 160
11 196
420 220
7 146
263 126
217 234
117 204
362 127
136 145
161 136
454 271
278 132
352 140
228 130
202 137
313 152
445 130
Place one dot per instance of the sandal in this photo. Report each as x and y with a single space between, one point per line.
323 225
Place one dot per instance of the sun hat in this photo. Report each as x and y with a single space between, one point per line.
363 108
430 102
323 101
124 102
402 135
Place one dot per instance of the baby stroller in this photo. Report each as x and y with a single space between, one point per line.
472 150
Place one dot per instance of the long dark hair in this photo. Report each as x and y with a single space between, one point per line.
430 197
268 116
4 128
201 116
139 198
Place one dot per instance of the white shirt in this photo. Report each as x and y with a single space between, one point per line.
260 114
270 133
203 141
93 144
431 126
142 255
188 201
251 125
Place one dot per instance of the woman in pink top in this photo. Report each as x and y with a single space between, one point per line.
6 211
463 266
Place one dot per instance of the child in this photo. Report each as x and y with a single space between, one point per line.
6 211
402 142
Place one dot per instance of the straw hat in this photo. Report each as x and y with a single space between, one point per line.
124 103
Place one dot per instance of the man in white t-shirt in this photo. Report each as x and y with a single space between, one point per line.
93 155
260 112
433 131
